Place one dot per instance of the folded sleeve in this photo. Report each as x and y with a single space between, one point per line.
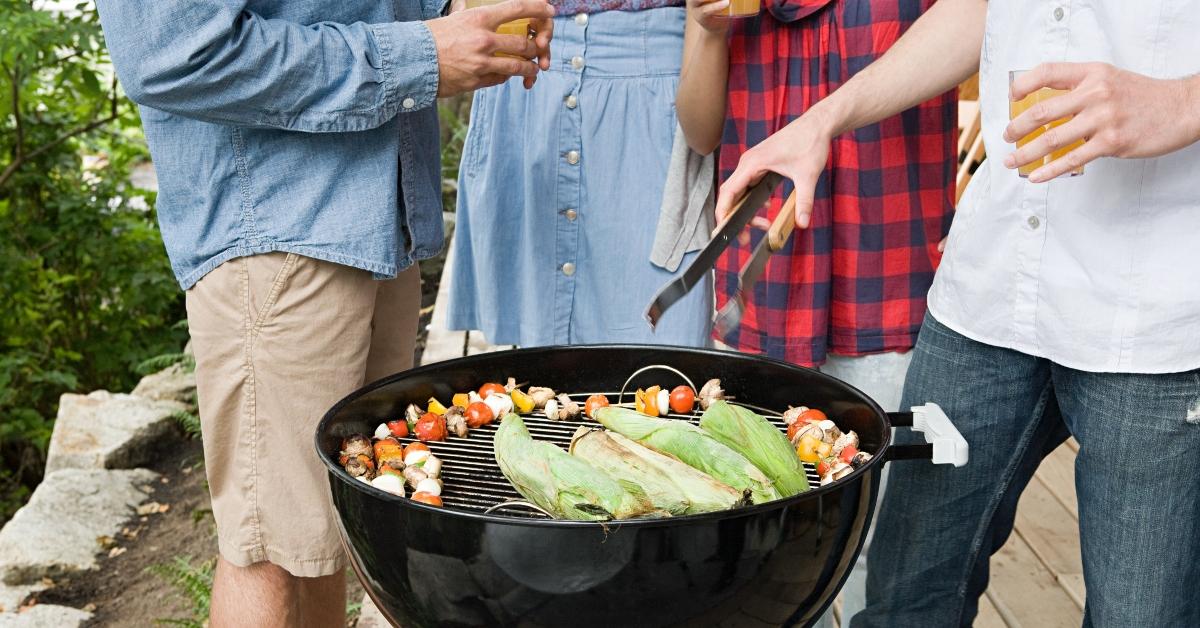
215 61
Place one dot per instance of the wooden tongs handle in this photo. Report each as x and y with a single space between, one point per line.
785 222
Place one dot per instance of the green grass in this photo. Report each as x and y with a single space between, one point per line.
192 581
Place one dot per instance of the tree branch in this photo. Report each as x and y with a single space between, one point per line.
11 168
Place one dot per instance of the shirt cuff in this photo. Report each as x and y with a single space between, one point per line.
409 64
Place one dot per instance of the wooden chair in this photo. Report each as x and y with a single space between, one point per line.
970 140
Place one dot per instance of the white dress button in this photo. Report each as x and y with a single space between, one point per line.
573 157
577 62
568 269
1034 222
408 103
581 19
571 215
572 102
1059 13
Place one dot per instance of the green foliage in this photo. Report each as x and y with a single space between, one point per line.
454 114
192 582
88 293
165 361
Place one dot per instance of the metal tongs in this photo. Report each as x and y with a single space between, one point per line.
730 315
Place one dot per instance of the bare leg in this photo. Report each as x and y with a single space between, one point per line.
266 596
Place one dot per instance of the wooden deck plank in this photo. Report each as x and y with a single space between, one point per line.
988 616
1026 593
1050 532
1057 472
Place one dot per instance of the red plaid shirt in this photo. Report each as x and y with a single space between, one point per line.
854 283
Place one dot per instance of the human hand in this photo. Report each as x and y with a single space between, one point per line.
798 151
1119 114
711 15
467 45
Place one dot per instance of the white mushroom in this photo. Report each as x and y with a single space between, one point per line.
811 429
413 413
414 475
382 431
500 404
552 409
541 396
831 431
568 410
711 392
793 414
839 471
847 439
456 423
432 466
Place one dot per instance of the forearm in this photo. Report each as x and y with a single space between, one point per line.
939 51
700 101
214 61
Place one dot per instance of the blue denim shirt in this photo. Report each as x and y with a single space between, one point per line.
305 126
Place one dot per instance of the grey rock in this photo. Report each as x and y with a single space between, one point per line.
12 596
45 616
56 534
174 383
109 431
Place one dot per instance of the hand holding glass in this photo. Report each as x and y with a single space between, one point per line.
1017 107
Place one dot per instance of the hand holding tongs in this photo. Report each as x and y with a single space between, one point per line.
731 315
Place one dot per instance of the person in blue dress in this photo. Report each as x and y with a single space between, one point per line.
560 189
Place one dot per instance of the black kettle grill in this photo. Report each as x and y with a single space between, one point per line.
478 562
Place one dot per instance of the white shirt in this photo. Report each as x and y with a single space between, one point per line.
1099 272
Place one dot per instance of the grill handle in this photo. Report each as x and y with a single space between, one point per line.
943 442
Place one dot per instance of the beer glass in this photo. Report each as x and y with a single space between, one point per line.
743 8
515 27
1017 107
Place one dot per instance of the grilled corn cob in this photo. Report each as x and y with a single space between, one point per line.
565 486
693 446
763 444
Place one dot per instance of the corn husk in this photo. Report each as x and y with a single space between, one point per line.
763 444
563 485
669 484
692 446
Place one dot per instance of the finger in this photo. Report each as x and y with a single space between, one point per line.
491 80
541 41
1055 75
1044 112
758 222
510 67
498 14
1067 163
514 45
805 188
1055 138
942 245
734 187
715 8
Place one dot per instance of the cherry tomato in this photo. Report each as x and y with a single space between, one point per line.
431 427
792 429
825 465
848 452
488 389
411 447
479 414
811 415
593 402
427 498
683 399
399 428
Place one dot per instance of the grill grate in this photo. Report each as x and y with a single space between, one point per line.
472 480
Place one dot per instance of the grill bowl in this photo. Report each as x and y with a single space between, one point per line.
779 563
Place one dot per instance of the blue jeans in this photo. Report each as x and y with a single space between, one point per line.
1137 478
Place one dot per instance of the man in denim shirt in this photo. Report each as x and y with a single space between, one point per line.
296 146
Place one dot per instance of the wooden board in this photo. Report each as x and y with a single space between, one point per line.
988 616
1052 533
1057 472
1026 593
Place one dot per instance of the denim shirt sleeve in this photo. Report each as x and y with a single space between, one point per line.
433 8
212 60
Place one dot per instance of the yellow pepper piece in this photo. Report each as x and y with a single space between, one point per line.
809 448
652 401
523 402
436 407
461 400
639 401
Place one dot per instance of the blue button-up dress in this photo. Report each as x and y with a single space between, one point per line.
560 188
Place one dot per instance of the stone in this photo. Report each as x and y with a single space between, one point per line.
45 616
56 534
109 431
173 383
12 596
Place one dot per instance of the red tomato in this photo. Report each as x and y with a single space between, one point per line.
427 498
683 399
488 389
399 428
811 415
593 402
479 415
792 429
848 452
411 447
825 465
431 427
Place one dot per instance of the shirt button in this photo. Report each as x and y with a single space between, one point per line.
408 103
573 157
571 215
1033 222
1059 13
572 102
577 62
568 269
581 19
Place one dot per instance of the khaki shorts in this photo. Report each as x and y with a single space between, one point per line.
279 338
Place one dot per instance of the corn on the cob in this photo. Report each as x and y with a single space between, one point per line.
693 446
763 444
565 486
669 484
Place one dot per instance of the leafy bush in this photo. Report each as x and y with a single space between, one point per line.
192 582
88 293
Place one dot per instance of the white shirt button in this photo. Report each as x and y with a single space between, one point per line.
1033 222
572 102
581 19
571 215
408 103
1059 13
577 62
573 157
568 269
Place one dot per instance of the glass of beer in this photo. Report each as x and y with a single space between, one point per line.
515 27
743 8
1017 107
